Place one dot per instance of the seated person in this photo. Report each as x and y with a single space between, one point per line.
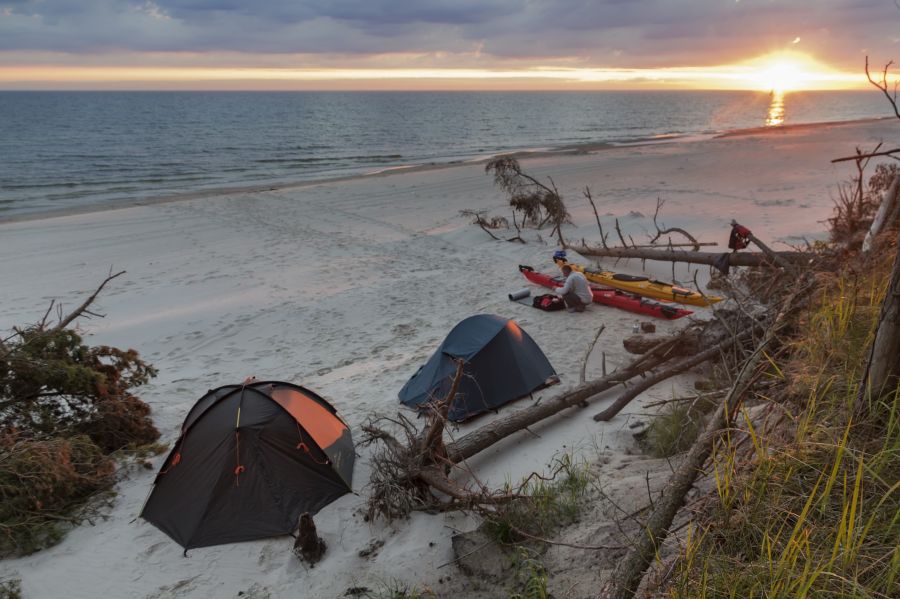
576 292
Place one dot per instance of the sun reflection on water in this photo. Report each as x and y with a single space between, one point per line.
775 117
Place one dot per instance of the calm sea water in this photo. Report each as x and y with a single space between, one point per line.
69 150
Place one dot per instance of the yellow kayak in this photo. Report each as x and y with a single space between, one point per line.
641 285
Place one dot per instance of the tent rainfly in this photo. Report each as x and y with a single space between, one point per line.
250 460
502 363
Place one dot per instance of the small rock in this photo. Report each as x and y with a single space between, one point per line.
648 327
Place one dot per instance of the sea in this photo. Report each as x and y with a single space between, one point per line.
73 151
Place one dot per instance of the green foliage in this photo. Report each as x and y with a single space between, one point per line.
51 383
43 484
543 503
537 202
397 589
817 515
65 407
532 578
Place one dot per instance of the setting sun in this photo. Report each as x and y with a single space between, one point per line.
793 71
782 76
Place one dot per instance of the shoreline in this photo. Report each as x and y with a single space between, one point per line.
567 150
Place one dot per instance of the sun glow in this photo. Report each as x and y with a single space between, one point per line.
785 72
772 73
782 77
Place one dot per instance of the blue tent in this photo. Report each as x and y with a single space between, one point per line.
502 363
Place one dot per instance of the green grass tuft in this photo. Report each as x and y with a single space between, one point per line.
397 589
546 503
819 514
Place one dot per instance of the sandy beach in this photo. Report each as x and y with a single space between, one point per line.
347 287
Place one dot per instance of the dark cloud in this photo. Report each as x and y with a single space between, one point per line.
635 33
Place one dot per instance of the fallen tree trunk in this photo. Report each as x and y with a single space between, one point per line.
885 210
708 258
882 374
631 569
766 249
486 436
671 370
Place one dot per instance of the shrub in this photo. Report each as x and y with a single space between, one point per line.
51 383
43 486
64 408
538 203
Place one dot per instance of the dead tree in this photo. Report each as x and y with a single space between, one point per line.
405 473
476 441
883 369
628 575
496 222
773 256
587 194
882 374
538 203
668 372
708 258
884 86
886 213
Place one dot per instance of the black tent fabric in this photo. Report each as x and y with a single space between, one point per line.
250 460
502 363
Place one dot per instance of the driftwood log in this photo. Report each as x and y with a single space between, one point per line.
883 367
478 440
772 254
671 370
708 258
630 572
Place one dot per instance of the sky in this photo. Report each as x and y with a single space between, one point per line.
444 44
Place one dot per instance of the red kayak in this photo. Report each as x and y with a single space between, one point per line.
611 297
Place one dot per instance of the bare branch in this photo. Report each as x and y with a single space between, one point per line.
661 232
621 238
869 155
65 321
588 353
587 194
883 86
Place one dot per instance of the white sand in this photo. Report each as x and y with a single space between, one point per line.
346 288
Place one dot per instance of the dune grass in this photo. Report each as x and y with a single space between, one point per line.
545 504
819 514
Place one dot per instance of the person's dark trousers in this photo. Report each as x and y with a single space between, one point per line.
573 301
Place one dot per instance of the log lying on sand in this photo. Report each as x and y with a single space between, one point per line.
667 373
708 258
486 436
